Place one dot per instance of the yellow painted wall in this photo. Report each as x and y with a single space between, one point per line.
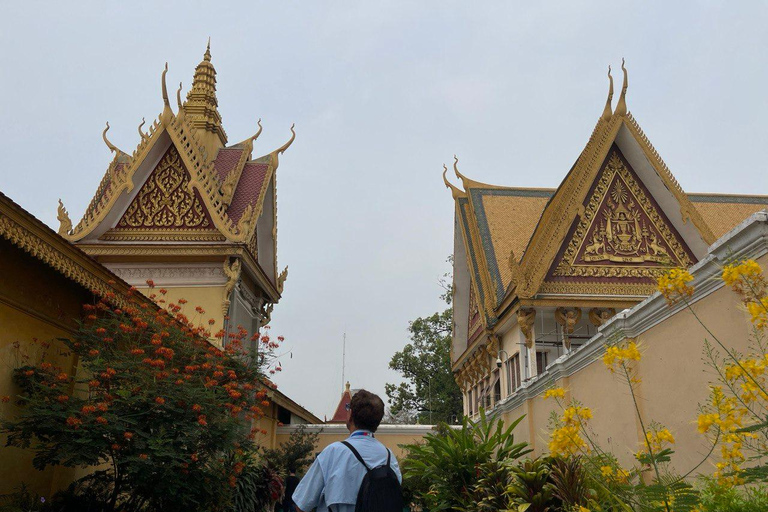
674 381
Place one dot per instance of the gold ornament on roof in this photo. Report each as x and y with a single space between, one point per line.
165 200
141 133
65 224
598 316
165 88
607 111
621 106
111 146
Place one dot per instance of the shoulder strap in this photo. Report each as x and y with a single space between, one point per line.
356 454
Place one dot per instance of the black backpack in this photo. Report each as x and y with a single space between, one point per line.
380 490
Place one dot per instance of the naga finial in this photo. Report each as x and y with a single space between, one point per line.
65 224
111 146
258 132
455 192
178 97
141 133
621 106
165 89
288 144
456 168
607 110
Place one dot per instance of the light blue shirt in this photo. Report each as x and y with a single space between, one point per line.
334 478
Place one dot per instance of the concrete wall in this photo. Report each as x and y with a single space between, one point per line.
675 378
392 436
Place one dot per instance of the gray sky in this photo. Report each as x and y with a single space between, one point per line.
382 93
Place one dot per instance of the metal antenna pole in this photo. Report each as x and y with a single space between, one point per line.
343 361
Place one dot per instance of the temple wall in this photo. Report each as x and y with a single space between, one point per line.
35 302
392 436
674 377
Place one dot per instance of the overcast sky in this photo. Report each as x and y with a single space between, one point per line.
382 94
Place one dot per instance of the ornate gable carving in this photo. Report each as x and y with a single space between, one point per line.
623 236
166 207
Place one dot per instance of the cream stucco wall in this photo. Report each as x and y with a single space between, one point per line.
675 377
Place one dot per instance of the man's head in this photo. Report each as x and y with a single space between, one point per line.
367 411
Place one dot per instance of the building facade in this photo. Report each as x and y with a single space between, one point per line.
196 216
537 272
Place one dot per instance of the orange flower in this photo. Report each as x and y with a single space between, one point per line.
101 406
137 351
73 422
5 399
101 330
128 435
150 283
143 456
62 398
159 400
200 310
182 301
93 352
94 384
62 377
163 291
115 447
88 409
194 457
201 420
101 420
197 408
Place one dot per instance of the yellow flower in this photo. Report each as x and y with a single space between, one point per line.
555 393
618 355
606 471
584 509
759 311
674 284
747 269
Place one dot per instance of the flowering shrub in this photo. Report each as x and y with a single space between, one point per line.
154 405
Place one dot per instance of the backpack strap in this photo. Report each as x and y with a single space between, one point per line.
389 457
357 455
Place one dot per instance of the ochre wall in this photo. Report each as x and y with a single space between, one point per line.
210 298
35 302
675 381
390 440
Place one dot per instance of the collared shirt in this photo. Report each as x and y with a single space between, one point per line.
334 478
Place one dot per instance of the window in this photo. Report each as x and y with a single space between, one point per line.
497 386
513 373
541 362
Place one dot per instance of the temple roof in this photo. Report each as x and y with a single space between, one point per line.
341 415
231 182
513 235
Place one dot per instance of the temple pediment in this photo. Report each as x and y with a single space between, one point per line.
622 241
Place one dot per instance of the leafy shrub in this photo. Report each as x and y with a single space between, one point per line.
153 402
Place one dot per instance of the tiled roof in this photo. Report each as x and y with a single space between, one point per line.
248 189
343 409
507 218
226 160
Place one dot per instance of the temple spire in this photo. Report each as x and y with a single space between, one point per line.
201 108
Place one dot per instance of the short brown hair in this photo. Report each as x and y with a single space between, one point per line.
367 410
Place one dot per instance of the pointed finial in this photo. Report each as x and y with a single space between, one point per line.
288 144
607 110
258 132
178 97
207 54
141 133
621 106
455 192
347 387
165 89
111 146
65 224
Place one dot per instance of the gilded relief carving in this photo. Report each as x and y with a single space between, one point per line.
166 201
622 233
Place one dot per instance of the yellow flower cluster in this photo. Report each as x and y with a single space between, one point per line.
658 438
747 270
617 355
555 393
749 374
724 412
746 278
566 440
674 284
617 475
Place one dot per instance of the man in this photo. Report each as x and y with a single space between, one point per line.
333 480
291 482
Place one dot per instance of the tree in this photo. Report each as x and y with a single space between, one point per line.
429 391
155 407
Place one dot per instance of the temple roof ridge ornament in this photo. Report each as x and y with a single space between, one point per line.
112 147
607 111
621 106
455 192
201 105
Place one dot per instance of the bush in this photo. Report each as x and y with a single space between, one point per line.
154 404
